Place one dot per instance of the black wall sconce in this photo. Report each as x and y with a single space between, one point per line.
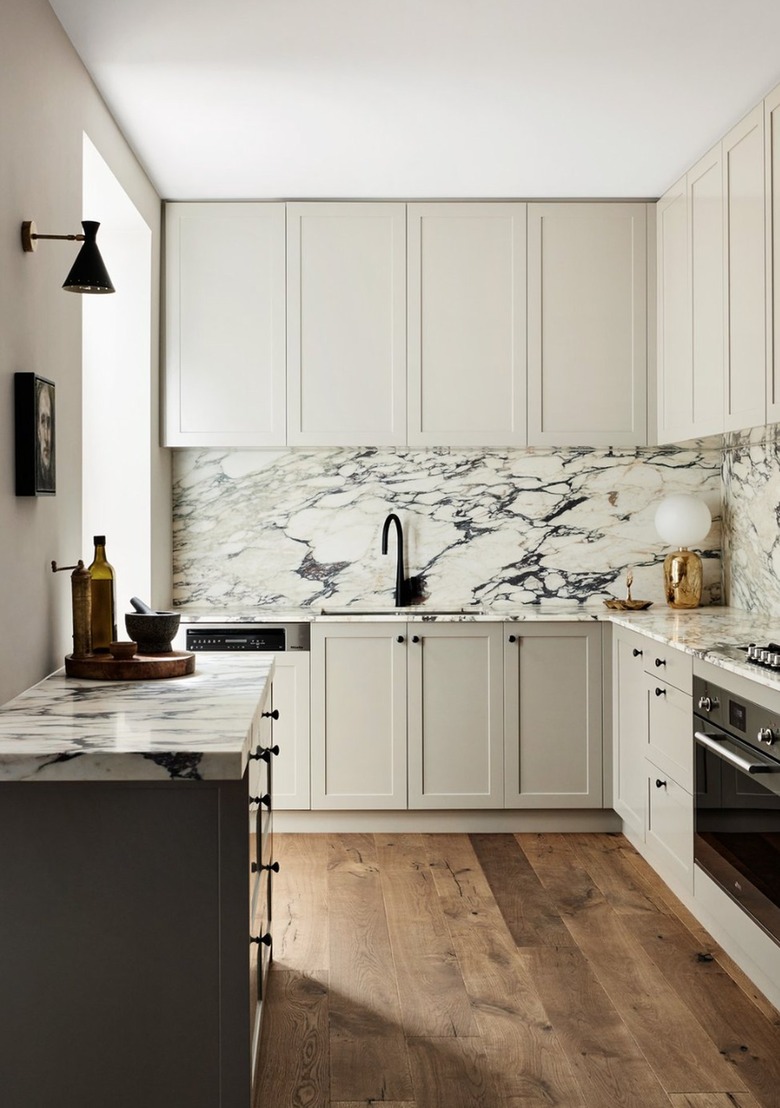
89 273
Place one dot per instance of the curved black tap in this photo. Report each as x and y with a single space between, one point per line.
402 589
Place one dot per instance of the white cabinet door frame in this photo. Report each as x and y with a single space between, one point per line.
772 166
630 728
358 715
291 731
744 235
467 324
553 715
224 325
456 716
587 324
346 324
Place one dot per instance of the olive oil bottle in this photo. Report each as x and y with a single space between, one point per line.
103 599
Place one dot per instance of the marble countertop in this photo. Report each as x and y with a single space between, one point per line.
191 728
711 632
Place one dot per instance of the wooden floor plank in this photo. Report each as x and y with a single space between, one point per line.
293 1067
713 1100
526 1058
455 867
367 1045
609 1066
525 904
300 906
433 997
451 1073
682 1055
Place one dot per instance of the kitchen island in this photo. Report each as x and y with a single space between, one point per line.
126 976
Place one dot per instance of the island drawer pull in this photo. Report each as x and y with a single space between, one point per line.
264 755
271 715
266 939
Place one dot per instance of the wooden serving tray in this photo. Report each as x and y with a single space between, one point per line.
141 667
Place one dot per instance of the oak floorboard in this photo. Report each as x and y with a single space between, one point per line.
618 881
299 924
526 1058
451 1073
455 867
743 1036
433 997
527 908
609 1066
368 1050
713 1100
293 1066
682 1055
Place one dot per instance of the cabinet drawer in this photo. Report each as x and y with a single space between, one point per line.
670 739
669 664
669 836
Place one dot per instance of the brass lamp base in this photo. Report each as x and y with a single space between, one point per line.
682 579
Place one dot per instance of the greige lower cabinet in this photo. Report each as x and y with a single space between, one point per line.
629 727
291 730
406 715
552 715
456 715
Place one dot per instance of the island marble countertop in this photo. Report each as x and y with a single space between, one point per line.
190 728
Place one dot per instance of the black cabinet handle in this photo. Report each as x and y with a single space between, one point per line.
659 784
513 638
400 638
261 755
266 939
271 715
415 638
660 662
274 866
264 799
637 653
660 692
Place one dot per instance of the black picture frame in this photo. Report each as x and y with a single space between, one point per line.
35 426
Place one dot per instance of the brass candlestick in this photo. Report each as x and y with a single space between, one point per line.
81 592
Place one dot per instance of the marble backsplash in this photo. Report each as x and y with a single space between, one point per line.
751 510
299 528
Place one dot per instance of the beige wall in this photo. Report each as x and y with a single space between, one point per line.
47 101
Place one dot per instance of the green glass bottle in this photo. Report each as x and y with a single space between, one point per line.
103 599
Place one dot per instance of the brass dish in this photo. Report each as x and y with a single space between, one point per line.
628 605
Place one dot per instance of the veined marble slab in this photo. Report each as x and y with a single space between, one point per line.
192 728
751 503
299 529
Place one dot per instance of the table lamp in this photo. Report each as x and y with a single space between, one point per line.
682 520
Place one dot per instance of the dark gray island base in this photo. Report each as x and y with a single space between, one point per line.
127 975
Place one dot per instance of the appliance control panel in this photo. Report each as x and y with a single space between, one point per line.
217 640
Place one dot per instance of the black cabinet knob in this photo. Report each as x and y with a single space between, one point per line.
636 653
274 866
400 638
266 939
660 662
264 755
660 692
659 784
415 638
264 799
513 638
271 715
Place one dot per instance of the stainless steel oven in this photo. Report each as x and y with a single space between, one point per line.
737 791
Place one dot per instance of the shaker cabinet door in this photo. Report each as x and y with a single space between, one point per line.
466 290
587 324
224 325
346 324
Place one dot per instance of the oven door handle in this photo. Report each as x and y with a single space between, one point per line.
714 742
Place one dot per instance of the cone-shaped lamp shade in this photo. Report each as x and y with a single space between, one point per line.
89 273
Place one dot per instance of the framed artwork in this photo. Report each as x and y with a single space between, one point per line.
36 455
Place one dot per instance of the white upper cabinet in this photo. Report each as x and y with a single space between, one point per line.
690 303
675 385
466 321
772 165
224 325
745 244
587 324
346 324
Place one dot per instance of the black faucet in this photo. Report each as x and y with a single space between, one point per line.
403 591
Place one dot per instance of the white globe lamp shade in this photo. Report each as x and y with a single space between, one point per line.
682 519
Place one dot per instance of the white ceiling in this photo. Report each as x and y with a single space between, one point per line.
424 98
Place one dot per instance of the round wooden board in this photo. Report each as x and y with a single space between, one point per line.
141 667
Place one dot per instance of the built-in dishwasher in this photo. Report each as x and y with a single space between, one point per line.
275 637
